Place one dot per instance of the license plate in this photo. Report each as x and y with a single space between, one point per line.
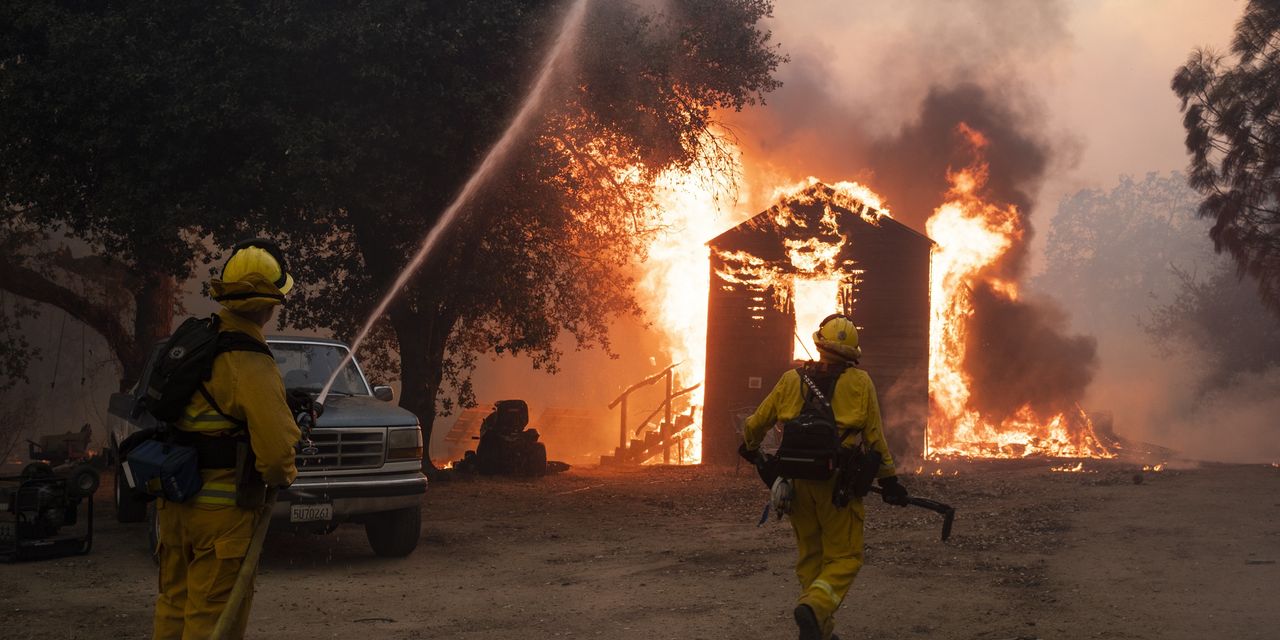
310 512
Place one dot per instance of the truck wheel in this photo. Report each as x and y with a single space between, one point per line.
129 506
394 534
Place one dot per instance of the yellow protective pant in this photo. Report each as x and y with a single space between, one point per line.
829 542
201 549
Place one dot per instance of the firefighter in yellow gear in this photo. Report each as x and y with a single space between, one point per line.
203 541
828 538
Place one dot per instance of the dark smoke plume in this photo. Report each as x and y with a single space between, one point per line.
1018 351
911 168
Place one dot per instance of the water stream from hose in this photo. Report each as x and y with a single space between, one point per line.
568 35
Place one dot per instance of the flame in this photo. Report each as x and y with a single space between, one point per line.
1079 466
1156 468
814 299
972 235
688 212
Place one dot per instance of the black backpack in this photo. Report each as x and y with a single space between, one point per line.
185 363
811 443
160 461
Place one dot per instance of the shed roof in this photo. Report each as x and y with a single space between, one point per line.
817 210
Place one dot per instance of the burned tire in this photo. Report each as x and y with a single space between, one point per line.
130 507
394 534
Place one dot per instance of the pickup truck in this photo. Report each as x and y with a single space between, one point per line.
368 467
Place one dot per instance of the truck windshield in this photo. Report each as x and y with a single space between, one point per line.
308 366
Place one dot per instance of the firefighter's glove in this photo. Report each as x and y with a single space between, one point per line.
750 455
893 492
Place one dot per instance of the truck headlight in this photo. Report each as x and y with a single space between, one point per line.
404 444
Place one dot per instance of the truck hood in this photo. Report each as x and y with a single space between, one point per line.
363 411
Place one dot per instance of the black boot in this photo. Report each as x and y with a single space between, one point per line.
807 621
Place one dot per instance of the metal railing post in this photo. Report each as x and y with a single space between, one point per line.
666 420
622 424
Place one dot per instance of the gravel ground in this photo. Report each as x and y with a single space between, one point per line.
669 552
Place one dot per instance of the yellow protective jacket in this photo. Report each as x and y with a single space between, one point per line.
247 386
853 402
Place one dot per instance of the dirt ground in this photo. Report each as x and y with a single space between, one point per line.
675 553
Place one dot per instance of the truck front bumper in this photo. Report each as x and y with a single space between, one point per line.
353 495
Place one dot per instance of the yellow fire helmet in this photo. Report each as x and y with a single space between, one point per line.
838 336
255 276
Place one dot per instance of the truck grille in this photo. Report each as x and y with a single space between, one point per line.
345 449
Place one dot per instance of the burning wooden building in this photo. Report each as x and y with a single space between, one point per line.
821 249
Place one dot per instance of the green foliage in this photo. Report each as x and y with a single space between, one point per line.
15 351
1232 117
116 128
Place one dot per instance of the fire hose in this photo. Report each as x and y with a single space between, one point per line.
231 618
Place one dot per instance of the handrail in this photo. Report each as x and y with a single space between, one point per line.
643 383
667 424
662 405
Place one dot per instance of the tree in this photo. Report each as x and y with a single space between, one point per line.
1232 118
1220 317
1110 250
545 248
346 128
1135 260
116 135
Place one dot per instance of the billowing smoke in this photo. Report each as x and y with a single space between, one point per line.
911 167
1019 352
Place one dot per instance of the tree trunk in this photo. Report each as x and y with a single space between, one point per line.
155 301
154 298
423 338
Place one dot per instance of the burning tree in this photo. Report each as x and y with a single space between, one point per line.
145 129
545 247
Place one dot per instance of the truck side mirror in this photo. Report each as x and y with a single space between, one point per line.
383 393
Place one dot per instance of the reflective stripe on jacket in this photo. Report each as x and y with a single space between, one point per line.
247 386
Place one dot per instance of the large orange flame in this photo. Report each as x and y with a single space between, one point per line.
691 206
972 235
